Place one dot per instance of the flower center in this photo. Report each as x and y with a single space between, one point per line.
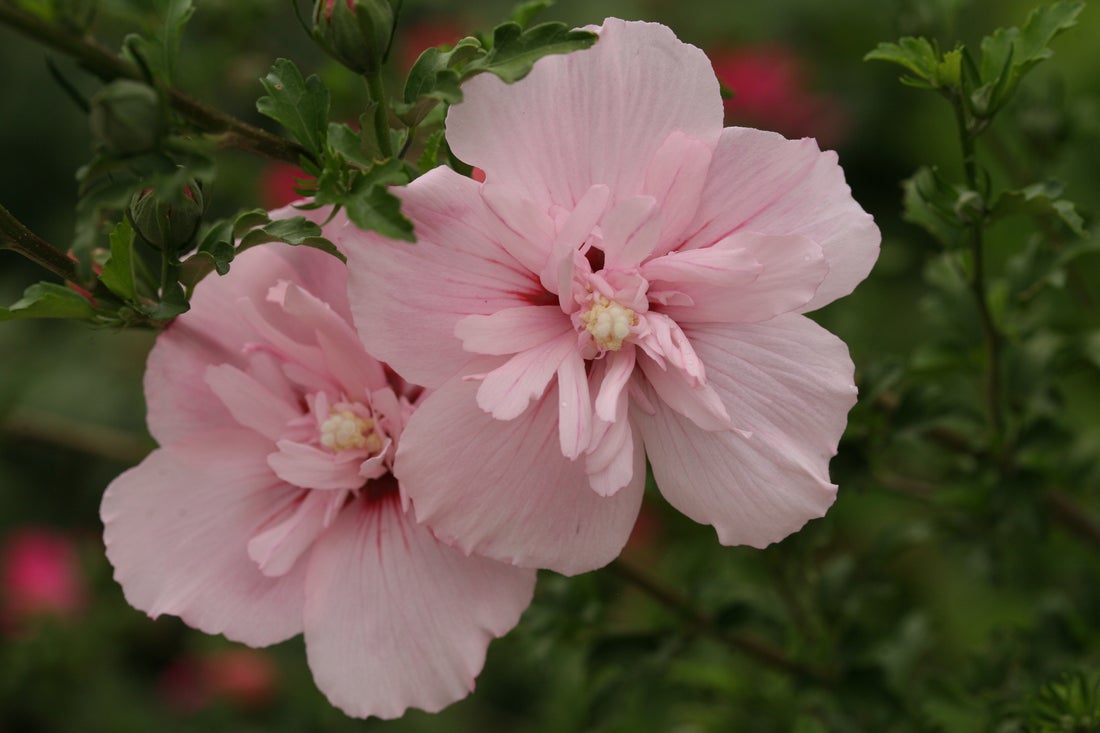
344 430
608 322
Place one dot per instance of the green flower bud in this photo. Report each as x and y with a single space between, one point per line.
168 226
354 32
127 117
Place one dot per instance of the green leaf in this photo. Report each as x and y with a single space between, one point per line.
515 50
372 207
434 78
157 51
295 231
525 12
430 157
300 105
1039 199
918 55
118 271
931 203
49 300
1010 53
354 146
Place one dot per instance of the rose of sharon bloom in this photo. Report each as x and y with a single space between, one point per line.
270 508
39 576
629 280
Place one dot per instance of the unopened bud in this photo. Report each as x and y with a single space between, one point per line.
169 226
126 117
354 32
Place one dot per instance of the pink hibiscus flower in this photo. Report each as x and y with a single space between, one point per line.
270 508
629 280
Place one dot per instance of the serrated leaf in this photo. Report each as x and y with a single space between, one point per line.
158 49
49 300
173 302
118 271
930 202
430 157
353 145
918 55
372 207
300 105
1010 53
525 12
515 50
295 231
1040 199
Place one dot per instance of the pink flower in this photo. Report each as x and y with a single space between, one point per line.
41 575
629 280
270 508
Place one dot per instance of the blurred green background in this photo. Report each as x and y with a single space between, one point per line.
941 600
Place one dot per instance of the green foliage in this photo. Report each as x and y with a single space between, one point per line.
300 105
156 51
47 300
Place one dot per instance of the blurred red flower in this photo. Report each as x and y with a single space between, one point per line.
771 91
41 576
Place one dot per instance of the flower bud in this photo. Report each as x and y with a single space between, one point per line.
354 32
169 226
126 117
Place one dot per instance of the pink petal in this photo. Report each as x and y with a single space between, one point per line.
676 177
617 368
594 116
788 382
408 298
290 532
506 391
512 330
504 490
630 232
526 231
610 461
763 183
723 265
176 530
574 406
699 403
395 619
790 269
250 403
313 468
575 230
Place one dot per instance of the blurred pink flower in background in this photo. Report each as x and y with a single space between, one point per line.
244 677
629 280
772 91
277 185
41 576
417 36
270 508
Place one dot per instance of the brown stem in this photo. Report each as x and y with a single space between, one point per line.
93 440
1073 518
14 235
759 650
107 65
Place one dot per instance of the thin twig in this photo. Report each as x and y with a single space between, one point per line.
14 235
759 650
1073 518
94 440
107 65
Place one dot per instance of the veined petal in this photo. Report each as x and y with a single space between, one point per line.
699 402
725 267
176 528
630 232
395 619
791 268
609 462
512 330
504 490
764 183
313 468
615 370
408 298
676 177
593 116
277 546
574 406
249 402
789 383
506 391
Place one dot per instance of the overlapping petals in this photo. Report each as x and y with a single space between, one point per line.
270 508
628 280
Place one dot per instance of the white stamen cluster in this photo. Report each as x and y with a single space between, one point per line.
608 322
344 430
